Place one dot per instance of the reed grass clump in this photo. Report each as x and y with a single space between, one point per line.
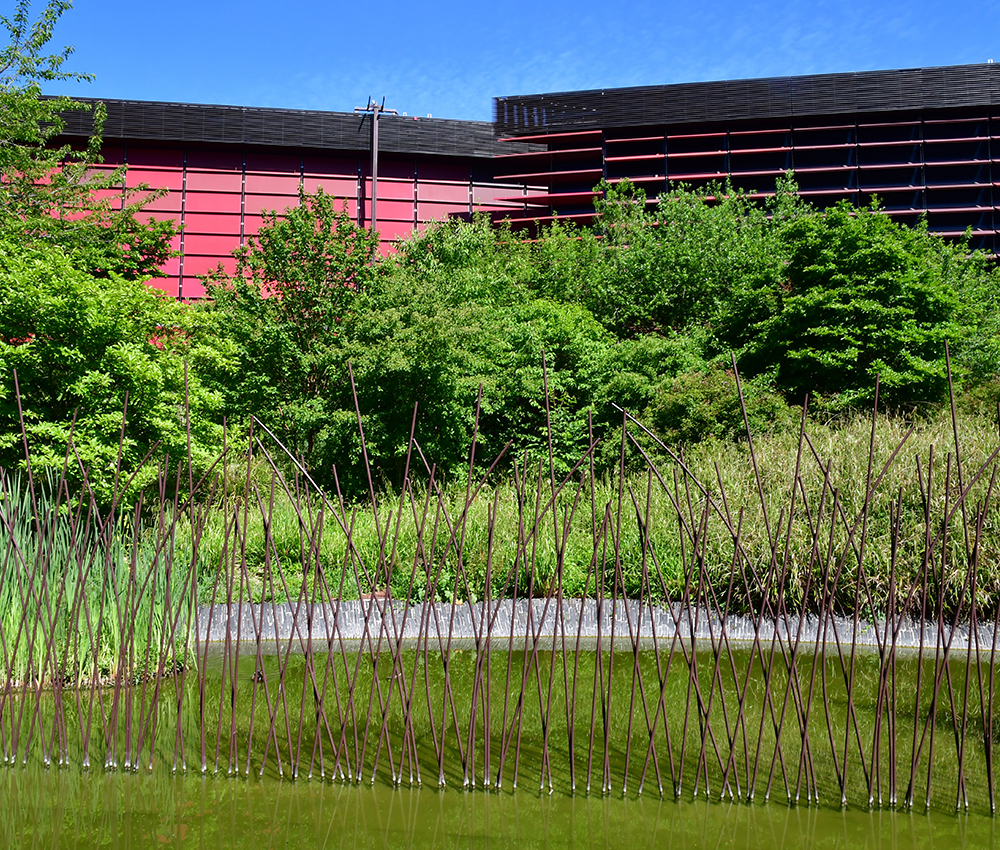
85 596
874 516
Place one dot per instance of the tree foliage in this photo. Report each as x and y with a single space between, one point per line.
640 312
422 332
59 195
78 328
863 298
86 352
296 283
657 269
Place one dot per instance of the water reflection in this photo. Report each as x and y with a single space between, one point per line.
69 808
73 807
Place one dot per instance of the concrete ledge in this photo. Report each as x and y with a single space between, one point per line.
623 625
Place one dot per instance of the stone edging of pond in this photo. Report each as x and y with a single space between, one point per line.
567 624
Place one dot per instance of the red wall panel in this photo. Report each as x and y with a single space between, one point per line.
434 212
276 184
256 204
167 285
212 202
171 202
486 194
389 210
339 187
171 267
158 215
227 224
104 173
155 178
451 192
214 181
195 266
392 230
214 244
393 189
220 194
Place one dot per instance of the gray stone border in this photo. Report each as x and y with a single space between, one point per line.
621 625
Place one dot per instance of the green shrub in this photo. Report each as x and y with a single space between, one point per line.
79 346
699 405
864 298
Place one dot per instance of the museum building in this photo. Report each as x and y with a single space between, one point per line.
920 139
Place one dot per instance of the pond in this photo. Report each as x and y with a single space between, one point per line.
208 759
57 808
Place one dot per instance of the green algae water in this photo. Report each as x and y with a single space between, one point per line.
69 808
266 752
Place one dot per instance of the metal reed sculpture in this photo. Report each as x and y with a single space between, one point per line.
689 663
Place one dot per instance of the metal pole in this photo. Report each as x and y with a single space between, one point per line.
375 109
375 112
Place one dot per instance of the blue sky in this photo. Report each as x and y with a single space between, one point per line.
449 58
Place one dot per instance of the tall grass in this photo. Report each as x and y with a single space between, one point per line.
801 504
874 512
84 595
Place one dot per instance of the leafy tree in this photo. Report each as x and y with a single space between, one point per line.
482 286
563 348
567 264
53 194
700 404
448 315
80 346
413 339
676 266
863 298
976 352
28 122
476 259
309 263
634 370
296 283
77 326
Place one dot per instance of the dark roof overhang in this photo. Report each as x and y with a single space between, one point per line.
771 97
193 123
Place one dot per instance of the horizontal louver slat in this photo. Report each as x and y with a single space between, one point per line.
197 123
821 94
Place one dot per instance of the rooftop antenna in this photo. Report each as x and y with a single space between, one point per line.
376 109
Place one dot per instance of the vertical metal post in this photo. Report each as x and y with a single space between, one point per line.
375 112
180 265
375 109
